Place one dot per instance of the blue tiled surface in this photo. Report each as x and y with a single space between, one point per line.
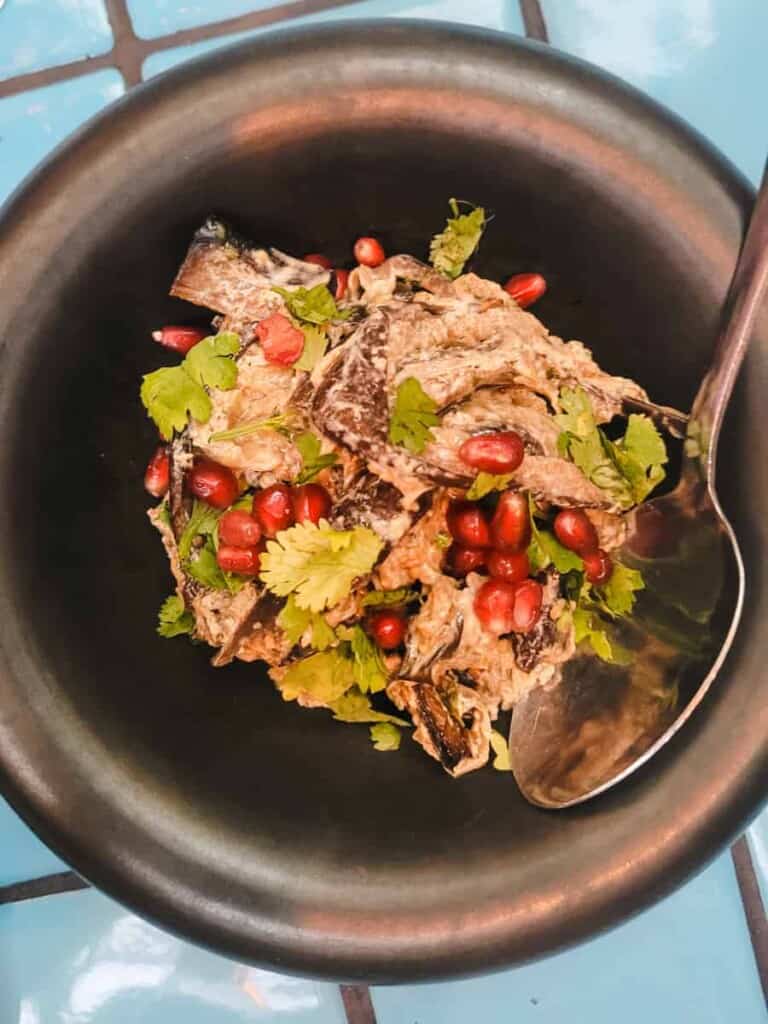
703 58
22 855
687 961
36 34
31 123
79 958
503 15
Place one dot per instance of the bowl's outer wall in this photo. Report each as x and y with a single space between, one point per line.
202 800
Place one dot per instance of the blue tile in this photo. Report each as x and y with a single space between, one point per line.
79 958
157 17
503 15
687 960
703 58
36 34
22 855
32 123
757 838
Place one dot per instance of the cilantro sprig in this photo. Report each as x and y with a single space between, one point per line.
413 413
452 247
173 619
174 393
627 469
312 305
313 462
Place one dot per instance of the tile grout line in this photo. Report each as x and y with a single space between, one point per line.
358 1005
533 20
47 885
129 50
754 910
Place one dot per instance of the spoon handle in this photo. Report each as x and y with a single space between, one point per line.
742 307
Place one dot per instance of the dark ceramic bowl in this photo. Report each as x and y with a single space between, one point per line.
198 798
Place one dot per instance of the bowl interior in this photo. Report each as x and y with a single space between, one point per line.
198 795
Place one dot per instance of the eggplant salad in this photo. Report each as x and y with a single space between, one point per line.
393 485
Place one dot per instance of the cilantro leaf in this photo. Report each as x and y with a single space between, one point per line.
295 621
590 627
388 598
413 414
500 748
450 250
484 483
208 361
315 344
202 521
356 707
545 549
370 673
173 619
325 677
318 564
174 393
203 567
385 736
627 469
313 305
309 447
170 397
618 592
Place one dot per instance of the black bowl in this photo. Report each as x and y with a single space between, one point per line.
198 798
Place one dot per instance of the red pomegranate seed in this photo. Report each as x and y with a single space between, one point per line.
238 529
511 523
493 453
526 606
342 280
387 629
213 483
273 509
462 560
242 560
511 566
575 531
468 525
493 606
598 566
318 259
525 289
281 342
311 503
180 339
158 472
369 252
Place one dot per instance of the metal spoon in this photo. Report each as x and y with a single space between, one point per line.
599 722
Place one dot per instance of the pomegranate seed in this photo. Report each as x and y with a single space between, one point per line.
180 339
462 560
158 472
369 252
242 560
387 629
213 483
342 279
511 566
493 606
575 531
281 342
273 509
318 259
238 529
493 453
598 566
311 503
525 289
468 525
526 606
511 523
